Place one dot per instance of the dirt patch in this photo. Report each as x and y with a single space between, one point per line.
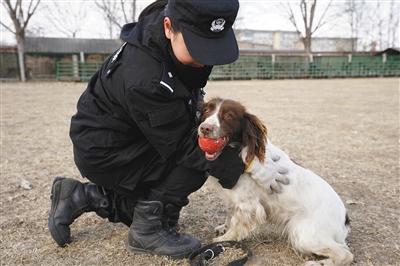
345 130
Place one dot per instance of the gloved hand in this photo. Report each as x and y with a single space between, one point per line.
228 167
279 179
272 176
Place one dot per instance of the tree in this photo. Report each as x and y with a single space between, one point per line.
117 13
354 10
380 24
65 19
20 19
307 23
393 24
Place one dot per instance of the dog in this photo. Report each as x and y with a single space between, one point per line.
307 210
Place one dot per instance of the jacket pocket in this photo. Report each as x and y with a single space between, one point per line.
166 126
168 115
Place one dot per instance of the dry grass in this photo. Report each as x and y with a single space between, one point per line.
345 130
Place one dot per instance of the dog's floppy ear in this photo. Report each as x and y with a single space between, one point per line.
254 137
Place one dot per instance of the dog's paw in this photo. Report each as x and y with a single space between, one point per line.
220 239
326 262
220 229
312 263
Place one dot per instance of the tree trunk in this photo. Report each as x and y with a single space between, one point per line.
134 11
307 44
21 61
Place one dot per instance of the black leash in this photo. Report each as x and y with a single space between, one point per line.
205 254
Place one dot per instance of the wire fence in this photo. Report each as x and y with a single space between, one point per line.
76 71
251 67
268 67
245 68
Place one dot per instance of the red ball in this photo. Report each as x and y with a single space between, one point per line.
211 146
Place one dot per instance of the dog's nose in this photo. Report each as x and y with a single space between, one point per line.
206 129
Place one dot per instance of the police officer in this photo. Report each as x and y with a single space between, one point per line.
134 133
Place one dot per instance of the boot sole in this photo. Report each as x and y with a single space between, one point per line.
55 198
136 250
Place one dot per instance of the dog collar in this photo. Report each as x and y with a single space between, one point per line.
249 166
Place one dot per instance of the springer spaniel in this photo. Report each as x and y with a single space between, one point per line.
307 209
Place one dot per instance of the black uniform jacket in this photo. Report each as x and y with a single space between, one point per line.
137 119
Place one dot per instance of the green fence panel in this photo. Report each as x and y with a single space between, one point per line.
263 67
76 70
87 70
9 68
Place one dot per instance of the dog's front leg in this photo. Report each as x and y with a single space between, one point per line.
222 228
245 219
230 227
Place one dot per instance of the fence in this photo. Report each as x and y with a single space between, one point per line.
256 67
271 67
76 70
9 66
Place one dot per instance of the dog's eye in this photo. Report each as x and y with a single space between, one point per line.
208 109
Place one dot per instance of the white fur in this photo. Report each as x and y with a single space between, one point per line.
308 211
213 119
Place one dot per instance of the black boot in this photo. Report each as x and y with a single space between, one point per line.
147 233
171 215
70 199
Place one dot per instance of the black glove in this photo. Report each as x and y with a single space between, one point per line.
228 167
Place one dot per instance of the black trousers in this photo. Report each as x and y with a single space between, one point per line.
178 184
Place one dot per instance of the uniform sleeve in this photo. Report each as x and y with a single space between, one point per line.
190 155
163 118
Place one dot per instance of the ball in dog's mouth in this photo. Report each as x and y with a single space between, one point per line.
212 147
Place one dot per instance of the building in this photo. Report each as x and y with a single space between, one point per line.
290 41
43 55
273 55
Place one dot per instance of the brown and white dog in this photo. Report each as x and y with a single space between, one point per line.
307 210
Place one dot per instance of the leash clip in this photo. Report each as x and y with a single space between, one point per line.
221 246
206 253
203 255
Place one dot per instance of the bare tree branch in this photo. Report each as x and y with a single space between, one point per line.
303 8
31 12
133 10
307 10
292 19
312 14
11 11
123 10
110 11
16 13
64 20
17 3
8 28
321 21
117 12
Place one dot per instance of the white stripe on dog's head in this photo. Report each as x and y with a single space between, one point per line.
213 119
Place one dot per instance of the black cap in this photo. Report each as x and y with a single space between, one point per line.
206 26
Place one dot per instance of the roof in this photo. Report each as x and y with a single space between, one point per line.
390 51
70 45
298 52
265 31
8 49
334 38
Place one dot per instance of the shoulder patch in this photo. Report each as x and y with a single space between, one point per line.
167 78
113 63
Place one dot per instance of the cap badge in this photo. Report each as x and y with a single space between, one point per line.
217 25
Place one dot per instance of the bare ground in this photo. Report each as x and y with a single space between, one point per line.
345 130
